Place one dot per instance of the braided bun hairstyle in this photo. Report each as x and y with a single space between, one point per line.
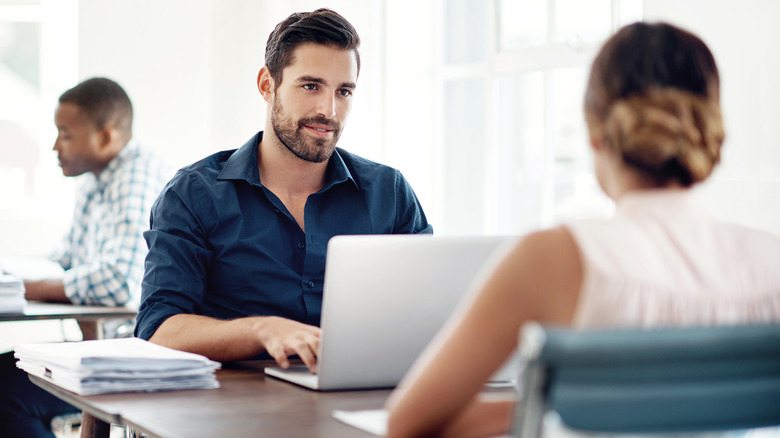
653 94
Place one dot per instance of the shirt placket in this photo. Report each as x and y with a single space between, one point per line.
313 262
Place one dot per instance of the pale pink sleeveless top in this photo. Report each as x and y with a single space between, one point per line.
662 260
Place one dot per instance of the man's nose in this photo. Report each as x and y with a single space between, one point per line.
327 105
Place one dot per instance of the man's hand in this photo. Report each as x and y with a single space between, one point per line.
240 338
284 337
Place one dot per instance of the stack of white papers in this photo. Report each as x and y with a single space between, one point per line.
116 365
11 294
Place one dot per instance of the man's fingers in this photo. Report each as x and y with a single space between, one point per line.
308 355
280 356
284 337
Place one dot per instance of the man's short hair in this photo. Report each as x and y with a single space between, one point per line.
104 103
322 26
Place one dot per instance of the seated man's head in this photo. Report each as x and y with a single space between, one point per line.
94 121
311 69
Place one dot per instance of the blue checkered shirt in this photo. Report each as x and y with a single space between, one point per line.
103 254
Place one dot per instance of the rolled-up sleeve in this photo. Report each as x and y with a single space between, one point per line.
176 265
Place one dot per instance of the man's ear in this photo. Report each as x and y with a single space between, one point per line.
111 142
107 136
265 84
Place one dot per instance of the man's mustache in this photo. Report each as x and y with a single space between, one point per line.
319 121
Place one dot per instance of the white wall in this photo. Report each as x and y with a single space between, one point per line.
190 67
161 53
745 188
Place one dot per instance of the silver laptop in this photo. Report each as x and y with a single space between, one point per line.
384 299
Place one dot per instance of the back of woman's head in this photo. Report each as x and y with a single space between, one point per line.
654 94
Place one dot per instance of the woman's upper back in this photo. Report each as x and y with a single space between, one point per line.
663 261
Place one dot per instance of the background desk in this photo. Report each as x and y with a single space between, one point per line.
248 403
88 317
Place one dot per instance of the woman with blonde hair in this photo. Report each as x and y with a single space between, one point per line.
655 129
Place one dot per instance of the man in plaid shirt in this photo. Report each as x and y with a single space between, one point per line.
103 254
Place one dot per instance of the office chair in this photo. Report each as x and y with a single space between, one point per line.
670 380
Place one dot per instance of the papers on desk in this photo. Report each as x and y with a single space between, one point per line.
372 421
31 268
116 365
11 294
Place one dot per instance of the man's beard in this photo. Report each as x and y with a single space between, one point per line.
290 133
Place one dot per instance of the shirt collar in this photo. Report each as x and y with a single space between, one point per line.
337 171
242 165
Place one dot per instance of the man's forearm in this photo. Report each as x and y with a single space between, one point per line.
219 340
45 290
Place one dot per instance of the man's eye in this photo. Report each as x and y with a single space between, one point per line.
310 87
345 92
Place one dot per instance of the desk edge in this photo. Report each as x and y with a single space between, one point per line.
73 399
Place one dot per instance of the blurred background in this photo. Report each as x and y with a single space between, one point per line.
477 102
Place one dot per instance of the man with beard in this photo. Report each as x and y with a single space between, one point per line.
237 241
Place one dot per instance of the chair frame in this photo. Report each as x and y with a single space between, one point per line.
664 380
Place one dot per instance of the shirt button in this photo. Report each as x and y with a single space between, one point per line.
301 245
311 283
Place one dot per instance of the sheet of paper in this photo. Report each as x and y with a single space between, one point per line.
375 421
372 421
30 268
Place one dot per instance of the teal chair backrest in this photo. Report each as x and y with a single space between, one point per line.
650 381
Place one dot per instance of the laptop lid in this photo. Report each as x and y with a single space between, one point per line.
384 299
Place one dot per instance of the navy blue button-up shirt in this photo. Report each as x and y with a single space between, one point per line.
222 245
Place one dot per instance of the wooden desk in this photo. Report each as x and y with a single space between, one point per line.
248 403
88 317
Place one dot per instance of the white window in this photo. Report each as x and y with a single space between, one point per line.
38 49
484 108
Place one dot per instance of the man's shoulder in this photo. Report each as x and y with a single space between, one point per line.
207 168
360 166
204 171
212 163
197 182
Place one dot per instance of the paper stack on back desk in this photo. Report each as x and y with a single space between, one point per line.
116 365
11 294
